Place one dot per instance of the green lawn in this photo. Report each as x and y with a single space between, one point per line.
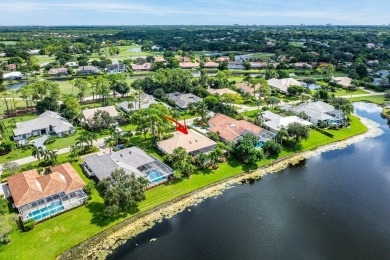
345 92
8 42
45 58
380 99
52 237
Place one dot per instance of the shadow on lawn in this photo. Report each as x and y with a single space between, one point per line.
102 220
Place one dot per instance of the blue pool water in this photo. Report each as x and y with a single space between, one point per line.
259 144
45 212
156 176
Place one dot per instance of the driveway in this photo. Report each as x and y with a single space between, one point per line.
39 142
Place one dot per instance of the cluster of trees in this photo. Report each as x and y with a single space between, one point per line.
49 156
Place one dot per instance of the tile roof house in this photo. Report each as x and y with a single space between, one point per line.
143 67
89 113
318 113
159 59
283 84
128 106
116 68
11 67
193 142
132 160
302 65
58 71
188 65
47 123
40 197
222 58
221 91
210 65
258 65
343 81
246 87
184 59
183 100
275 122
231 130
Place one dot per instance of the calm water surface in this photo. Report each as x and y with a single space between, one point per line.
332 206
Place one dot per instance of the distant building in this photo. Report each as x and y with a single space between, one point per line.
33 52
128 106
242 57
188 65
222 58
302 65
58 72
342 81
11 67
221 91
72 64
183 100
116 68
247 88
210 65
283 84
236 65
143 67
15 75
89 113
258 65
88 70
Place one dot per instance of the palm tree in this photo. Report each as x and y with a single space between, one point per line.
83 139
38 153
110 142
53 155
281 134
91 136
201 109
202 160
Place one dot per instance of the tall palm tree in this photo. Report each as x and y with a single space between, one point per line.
110 142
282 134
38 153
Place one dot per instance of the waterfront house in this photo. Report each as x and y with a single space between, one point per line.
15 75
210 65
132 160
275 122
258 65
188 65
243 57
236 65
58 72
40 197
127 106
318 113
247 88
183 100
11 67
222 58
47 123
184 59
116 68
302 65
143 67
283 84
193 142
231 130
88 70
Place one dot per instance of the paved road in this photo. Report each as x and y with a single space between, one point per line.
99 143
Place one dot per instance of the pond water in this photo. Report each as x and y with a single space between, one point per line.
332 206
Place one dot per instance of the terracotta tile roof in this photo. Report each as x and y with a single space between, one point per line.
211 64
191 142
29 186
246 87
221 91
188 65
229 128
89 113
145 66
223 58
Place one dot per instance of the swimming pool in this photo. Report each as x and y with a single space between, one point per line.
156 176
48 211
259 144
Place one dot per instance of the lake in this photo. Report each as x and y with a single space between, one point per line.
332 206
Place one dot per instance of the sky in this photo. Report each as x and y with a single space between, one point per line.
195 12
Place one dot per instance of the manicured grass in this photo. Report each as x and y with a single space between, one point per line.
8 42
345 92
50 238
379 99
45 58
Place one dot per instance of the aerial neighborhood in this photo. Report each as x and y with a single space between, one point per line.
98 127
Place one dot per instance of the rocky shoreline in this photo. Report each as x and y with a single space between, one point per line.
102 244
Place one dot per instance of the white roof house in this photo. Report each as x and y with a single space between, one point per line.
13 75
318 112
283 84
275 122
47 123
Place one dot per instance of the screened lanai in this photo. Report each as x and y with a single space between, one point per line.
52 205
